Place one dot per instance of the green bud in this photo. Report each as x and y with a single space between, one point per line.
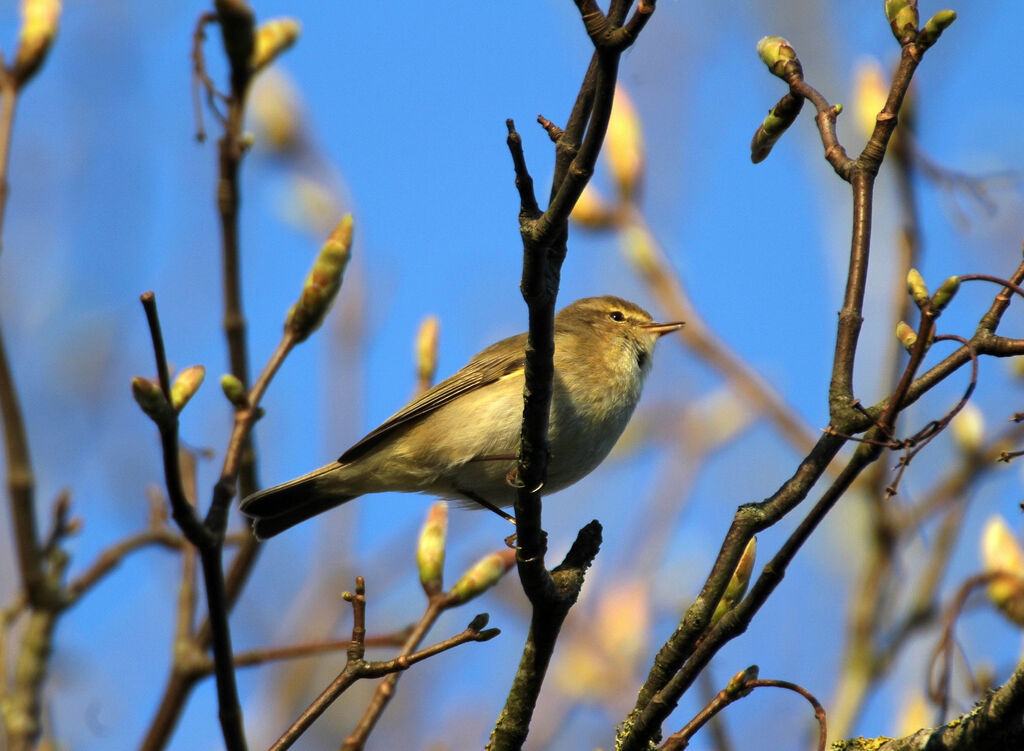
737 686
917 288
780 117
780 57
903 19
737 586
936 25
322 283
430 552
906 334
234 390
483 575
186 385
944 294
151 398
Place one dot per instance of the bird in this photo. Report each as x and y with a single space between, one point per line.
459 440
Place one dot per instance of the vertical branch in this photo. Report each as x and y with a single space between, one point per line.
20 478
544 237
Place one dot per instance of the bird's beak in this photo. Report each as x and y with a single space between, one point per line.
662 328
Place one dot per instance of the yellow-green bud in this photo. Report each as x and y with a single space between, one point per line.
151 398
592 211
234 390
968 429
39 22
186 385
322 283
272 38
737 686
917 288
935 26
426 349
483 575
641 251
903 19
737 586
1000 552
870 92
779 118
430 552
780 57
624 145
944 294
906 335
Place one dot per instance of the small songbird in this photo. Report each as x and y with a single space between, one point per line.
459 440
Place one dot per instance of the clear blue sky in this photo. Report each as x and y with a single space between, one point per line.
112 196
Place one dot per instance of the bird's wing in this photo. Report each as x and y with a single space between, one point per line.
489 365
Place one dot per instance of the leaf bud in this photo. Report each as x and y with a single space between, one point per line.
430 551
272 38
186 385
483 575
322 283
234 390
903 19
39 22
1001 552
151 399
944 294
936 25
780 57
906 335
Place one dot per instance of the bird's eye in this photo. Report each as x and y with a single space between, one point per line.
616 315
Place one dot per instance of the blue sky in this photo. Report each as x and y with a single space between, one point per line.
406 103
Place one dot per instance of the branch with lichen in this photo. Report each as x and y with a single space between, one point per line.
695 641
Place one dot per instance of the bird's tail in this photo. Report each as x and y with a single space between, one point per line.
276 509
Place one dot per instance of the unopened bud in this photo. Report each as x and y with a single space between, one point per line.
936 25
426 349
234 390
151 398
430 552
1001 553
944 294
870 92
779 118
272 38
39 22
186 385
917 288
968 429
483 575
738 687
903 19
624 145
275 113
591 211
906 335
780 57
641 251
322 283
737 586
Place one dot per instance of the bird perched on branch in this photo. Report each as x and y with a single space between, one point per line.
460 439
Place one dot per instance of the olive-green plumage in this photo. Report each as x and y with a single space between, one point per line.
459 439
